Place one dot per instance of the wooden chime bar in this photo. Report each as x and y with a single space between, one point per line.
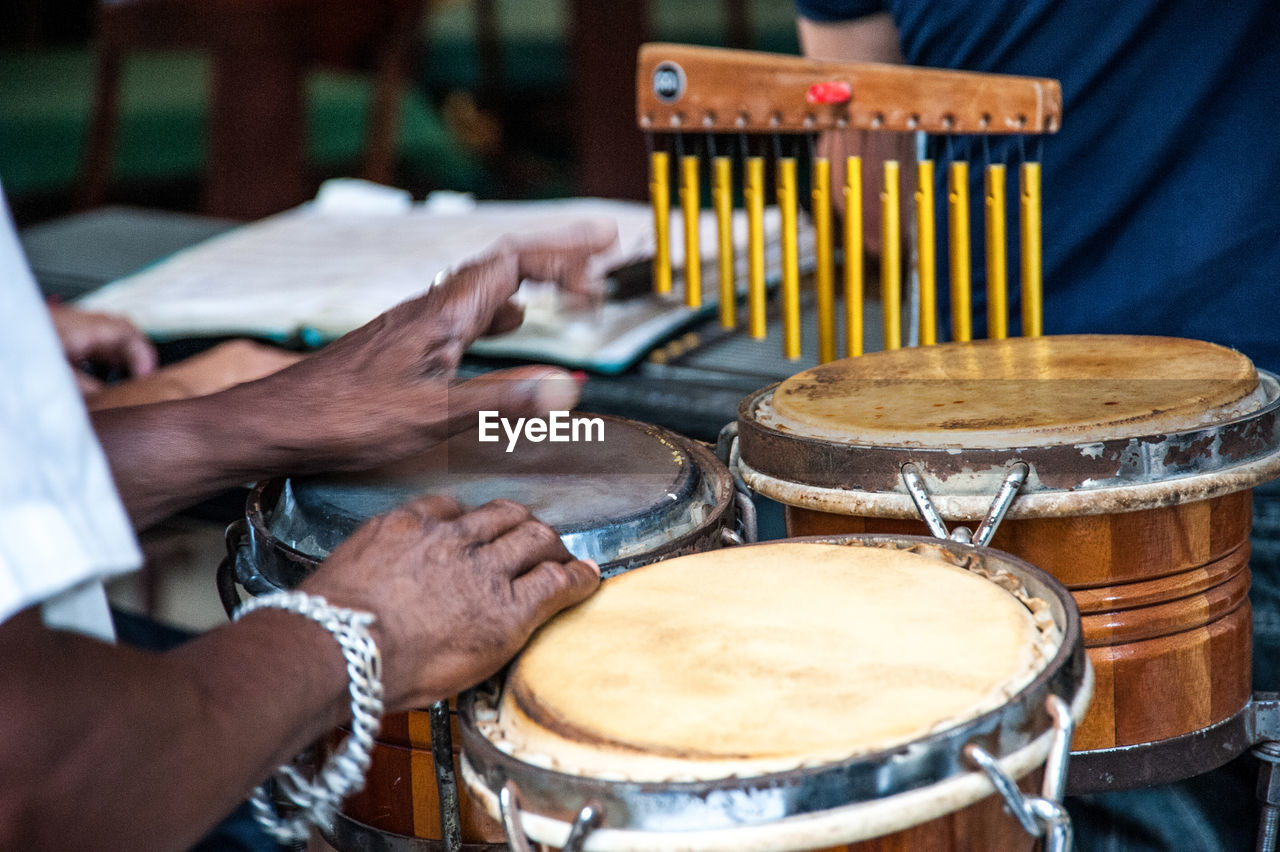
695 91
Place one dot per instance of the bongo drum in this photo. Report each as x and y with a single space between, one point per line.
848 692
1124 466
639 495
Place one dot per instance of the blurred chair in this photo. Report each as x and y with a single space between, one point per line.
261 52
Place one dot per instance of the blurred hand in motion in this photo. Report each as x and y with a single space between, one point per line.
456 593
97 344
382 393
385 391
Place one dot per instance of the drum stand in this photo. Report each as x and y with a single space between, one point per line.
1255 727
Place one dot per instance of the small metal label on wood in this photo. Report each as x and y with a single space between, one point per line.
668 82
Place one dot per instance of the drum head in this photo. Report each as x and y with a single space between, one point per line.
556 733
749 660
1018 392
608 498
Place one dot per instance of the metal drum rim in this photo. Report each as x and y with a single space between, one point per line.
684 484
1243 443
921 763
263 498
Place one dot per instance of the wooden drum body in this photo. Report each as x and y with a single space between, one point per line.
830 697
1142 510
639 495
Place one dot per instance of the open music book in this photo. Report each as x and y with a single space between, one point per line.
315 272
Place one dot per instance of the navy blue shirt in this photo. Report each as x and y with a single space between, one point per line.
1162 188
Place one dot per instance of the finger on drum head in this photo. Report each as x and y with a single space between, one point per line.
525 545
551 586
516 392
434 508
493 519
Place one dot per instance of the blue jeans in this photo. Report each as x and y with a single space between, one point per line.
1218 811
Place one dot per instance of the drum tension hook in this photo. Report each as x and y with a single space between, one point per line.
588 820
446 782
929 513
727 452
1044 815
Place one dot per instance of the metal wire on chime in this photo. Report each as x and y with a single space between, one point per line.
959 232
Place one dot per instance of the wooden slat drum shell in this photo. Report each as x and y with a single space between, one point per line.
400 795
984 825
1163 600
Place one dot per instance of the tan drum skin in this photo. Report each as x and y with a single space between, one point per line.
1163 591
986 824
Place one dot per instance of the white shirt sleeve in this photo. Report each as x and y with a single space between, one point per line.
63 528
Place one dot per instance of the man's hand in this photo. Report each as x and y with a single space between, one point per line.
382 393
456 594
103 343
385 391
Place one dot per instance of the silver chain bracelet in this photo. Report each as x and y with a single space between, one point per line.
344 771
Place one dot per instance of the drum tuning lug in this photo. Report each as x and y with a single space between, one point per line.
748 530
587 821
929 513
920 495
229 569
1055 766
724 441
446 780
727 451
1000 506
1040 816
509 807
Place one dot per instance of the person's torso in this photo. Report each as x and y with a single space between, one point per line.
1161 213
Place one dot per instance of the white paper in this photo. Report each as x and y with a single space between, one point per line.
321 270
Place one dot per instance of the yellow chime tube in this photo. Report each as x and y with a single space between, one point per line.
853 257
753 197
824 283
691 208
891 257
660 198
997 274
852 237
958 247
926 264
788 197
722 199
1029 218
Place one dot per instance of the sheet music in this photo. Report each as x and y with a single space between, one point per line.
320 270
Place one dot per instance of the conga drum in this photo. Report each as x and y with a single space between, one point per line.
844 692
638 494
1124 464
